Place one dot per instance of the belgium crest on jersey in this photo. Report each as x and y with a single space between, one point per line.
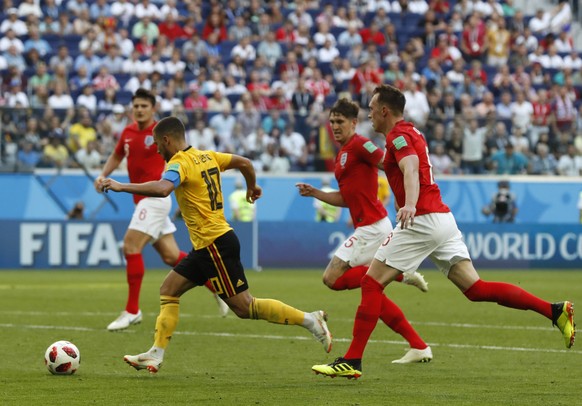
343 159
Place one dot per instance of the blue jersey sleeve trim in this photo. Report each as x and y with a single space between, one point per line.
173 177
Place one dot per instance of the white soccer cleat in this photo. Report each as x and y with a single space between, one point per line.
320 330
415 279
413 355
222 306
144 361
124 320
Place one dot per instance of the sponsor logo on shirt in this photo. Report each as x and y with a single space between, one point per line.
370 147
149 140
343 159
399 142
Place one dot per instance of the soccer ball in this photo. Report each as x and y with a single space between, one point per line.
62 358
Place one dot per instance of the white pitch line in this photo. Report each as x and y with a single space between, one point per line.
337 320
301 338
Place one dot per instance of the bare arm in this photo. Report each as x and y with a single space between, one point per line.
247 170
112 163
334 198
156 188
409 168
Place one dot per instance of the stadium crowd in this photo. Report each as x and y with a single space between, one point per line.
492 89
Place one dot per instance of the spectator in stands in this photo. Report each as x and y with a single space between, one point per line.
154 64
299 17
123 10
41 77
560 17
15 97
89 60
474 39
542 162
13 23
50 8
75 7
82 23
498 43
36 42
239 30
486 108
474 137
223 124
570 163
145 27
140 80
564 112
441 163
39 99
416 109
48 25
82 132
294 147
105 80
195 100
373 34
27 156
117 120
145 9
87 98
573 61
80 79
508 161
89 157
215 24
519 141
168 103
270 49
248 118
62 57
171 28
350 36
54 154
245 50
108 100
9 40
100 8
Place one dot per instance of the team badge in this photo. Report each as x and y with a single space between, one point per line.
370 147
149 140
174 167
343 159
399 142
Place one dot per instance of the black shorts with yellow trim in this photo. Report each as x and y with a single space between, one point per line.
218 263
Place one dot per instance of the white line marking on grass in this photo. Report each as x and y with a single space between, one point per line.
299 338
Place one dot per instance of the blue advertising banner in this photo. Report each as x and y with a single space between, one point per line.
86 244
92 244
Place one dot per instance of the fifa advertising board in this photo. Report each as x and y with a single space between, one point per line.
99 244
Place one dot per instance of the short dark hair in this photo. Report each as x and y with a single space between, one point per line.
142 93
346 108
391 97
170 126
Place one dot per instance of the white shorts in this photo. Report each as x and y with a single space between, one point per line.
434 235
360 247
151 216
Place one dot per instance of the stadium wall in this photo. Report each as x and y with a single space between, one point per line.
35 234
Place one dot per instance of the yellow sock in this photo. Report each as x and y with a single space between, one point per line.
275 311
167 320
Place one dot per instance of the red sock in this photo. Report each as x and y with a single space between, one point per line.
351 278
180 258
394 318
366 316
135 270
508 295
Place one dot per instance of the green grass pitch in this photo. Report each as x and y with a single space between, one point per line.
484 354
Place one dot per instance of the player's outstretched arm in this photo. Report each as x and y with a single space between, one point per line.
245 166
334 198
157 188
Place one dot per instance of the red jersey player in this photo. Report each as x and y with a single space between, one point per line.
150 221
425 228
356 170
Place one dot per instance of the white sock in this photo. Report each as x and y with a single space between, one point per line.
156 352
308 321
